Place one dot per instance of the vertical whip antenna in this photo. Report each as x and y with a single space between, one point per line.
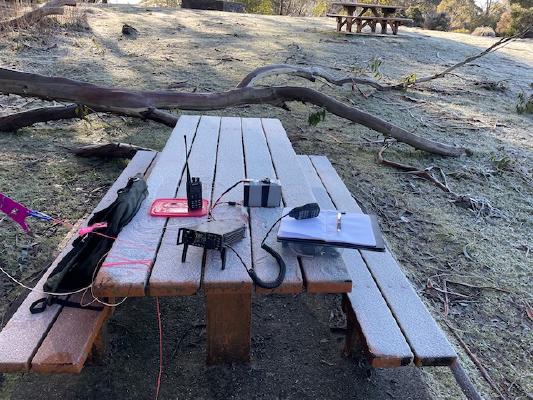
187 159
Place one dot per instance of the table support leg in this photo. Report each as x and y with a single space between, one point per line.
228 327
384 26
353 340
100 345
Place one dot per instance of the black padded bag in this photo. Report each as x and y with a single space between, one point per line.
76 270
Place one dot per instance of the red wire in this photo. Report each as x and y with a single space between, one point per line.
160 348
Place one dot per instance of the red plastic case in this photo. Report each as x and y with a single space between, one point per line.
174 208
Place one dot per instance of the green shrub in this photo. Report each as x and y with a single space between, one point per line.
437 21
524 104
320 8
415 13
462 13
258 6
484 31
516 20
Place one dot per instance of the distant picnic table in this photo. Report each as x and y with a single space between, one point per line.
363 14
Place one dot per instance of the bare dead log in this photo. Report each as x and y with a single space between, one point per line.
54 7
140 103
13 122
160 116
108 150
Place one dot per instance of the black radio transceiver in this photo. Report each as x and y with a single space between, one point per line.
212 235
194 186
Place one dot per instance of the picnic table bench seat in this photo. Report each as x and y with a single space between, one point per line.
384 312
60 339
364 17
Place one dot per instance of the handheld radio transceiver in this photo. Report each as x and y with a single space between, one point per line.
194 186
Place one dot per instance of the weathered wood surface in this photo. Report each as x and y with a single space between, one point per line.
258 166
384 342
322 274
70 340
426 339
171 277
24 332
139 240
229 170
228 292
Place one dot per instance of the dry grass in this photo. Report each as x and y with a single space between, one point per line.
74 18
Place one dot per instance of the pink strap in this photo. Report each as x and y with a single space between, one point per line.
89 229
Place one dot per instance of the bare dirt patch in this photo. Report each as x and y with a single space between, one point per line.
295 354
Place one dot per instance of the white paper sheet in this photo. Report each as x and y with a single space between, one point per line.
356 229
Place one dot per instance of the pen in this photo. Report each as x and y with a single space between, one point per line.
338 222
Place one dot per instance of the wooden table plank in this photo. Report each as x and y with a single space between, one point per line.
69 342
229 169
259 165
428 342
139 240
171 277
24 332
228 292
383 340
322 274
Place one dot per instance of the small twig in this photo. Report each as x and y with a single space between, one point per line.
480 206
446 300
424 174
480 287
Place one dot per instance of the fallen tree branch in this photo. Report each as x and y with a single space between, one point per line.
499 44
14 122
142 103
311 73
54 7
109 150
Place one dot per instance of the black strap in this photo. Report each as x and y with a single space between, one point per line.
40 305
